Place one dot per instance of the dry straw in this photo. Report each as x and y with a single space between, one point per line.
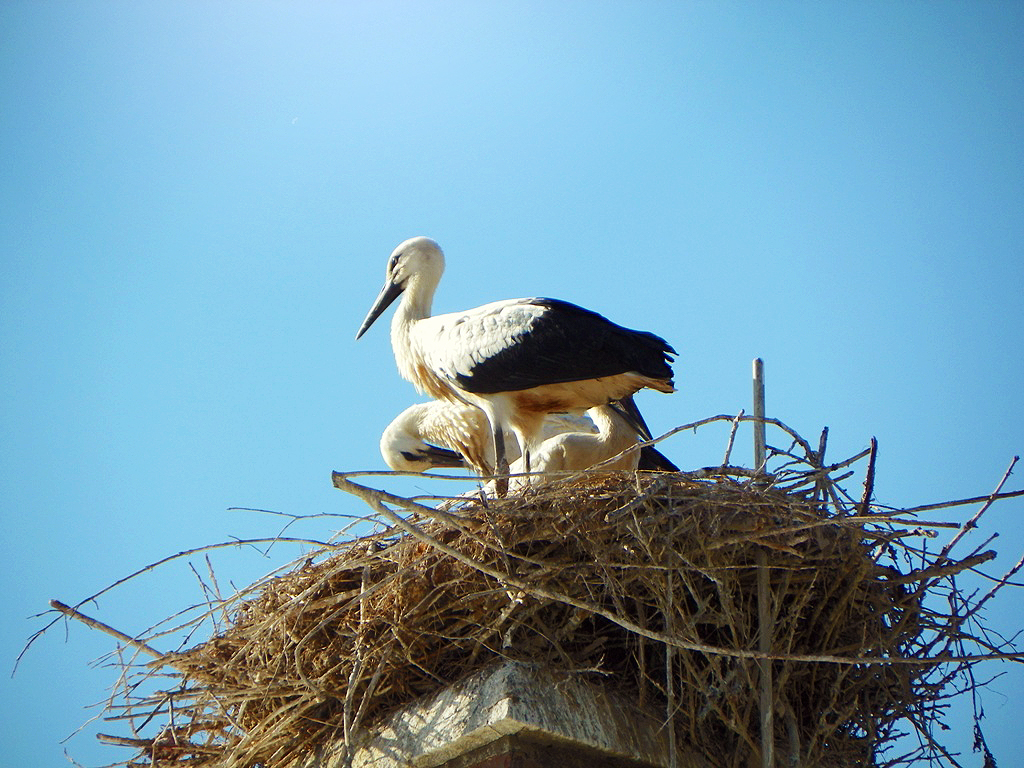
648 583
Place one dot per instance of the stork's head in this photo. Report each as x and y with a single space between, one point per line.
405 450
415 265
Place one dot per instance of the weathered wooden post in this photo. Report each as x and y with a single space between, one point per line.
763 585
759 438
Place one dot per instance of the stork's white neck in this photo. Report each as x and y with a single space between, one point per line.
604 419
418 298
414 306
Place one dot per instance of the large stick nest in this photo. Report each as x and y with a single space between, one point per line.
647 582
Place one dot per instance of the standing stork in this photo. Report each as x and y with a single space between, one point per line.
518 359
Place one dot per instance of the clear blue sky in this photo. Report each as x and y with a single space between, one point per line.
198 201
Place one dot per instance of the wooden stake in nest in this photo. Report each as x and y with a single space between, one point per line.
710 595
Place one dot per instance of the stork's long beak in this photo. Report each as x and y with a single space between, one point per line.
387 295
441 457
626 408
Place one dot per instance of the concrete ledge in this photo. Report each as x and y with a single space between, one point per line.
543 716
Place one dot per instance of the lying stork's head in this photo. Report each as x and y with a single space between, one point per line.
405 450
416 263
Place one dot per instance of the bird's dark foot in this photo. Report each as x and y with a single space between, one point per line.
501 481
501 487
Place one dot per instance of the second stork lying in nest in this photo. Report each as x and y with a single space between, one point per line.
518 359
442 434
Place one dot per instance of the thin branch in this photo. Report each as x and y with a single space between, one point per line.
96 624
732 438
869 479
961 502
186 553
977 515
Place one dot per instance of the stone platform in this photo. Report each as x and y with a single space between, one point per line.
515 715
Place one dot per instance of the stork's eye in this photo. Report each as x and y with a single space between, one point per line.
392 264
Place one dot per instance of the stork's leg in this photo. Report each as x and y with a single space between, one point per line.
500 463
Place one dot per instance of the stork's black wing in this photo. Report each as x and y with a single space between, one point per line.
566 342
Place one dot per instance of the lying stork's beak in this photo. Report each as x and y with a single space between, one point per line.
387 295
437 456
